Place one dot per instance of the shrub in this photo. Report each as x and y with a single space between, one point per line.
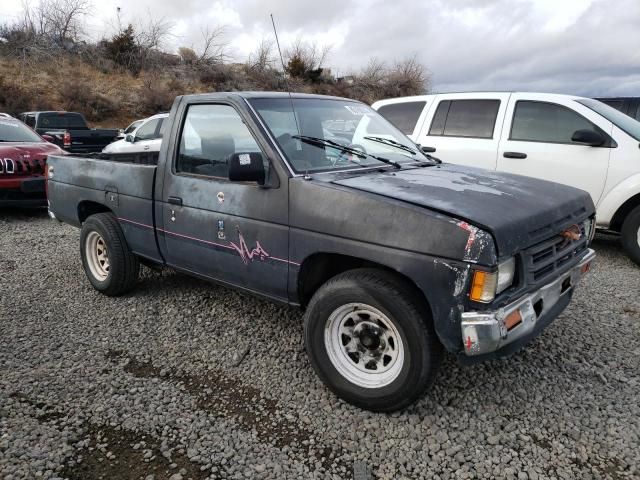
79 96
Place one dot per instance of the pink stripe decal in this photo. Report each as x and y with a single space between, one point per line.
243 251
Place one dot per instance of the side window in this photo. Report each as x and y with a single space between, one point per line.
30 120
403 116
210 135
148 130
638 113
546 122
465 118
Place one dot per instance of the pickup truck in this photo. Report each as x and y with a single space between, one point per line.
393 255
563 138
69 130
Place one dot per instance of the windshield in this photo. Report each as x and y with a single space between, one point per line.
328 135
61 120
619 119
15 131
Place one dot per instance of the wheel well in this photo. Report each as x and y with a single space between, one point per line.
618 218
320 267
88 208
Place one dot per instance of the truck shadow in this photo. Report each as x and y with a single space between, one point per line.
22 214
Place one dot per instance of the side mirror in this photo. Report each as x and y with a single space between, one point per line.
247 167
588 137
129 138
48 138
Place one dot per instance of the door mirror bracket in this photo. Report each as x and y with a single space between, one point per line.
588 137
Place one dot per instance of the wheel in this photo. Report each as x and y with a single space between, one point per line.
631 235
371 340
110 266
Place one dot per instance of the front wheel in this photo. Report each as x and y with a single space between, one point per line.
110 265
371 340
631 235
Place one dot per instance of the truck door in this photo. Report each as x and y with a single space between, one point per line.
232 232
465 128
536 141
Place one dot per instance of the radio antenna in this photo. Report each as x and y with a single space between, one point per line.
284 73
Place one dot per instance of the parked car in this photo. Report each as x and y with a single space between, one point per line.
69 130
627 105
572 140
147 137
391 254
23 155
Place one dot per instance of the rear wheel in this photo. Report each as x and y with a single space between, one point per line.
110 265
371 340
631 235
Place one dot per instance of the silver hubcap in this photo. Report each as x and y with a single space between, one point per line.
364 345
638 237
97 256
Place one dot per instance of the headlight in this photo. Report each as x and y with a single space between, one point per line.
486 285
506 272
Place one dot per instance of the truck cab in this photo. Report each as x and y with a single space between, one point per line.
318 202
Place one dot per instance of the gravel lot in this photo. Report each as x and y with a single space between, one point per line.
182 379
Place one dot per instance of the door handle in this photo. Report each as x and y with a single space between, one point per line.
147 147
514 155
175 200
428 149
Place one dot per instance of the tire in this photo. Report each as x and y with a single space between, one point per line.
108 262
368 318
631 235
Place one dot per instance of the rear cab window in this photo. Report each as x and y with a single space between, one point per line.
465 118
403 115
61 120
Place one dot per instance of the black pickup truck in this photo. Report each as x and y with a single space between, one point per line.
69 130
392 254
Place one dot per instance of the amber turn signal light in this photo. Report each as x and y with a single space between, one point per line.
483 286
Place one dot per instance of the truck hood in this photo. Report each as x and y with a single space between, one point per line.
17 150
518 211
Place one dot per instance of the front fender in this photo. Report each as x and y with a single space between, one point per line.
615 198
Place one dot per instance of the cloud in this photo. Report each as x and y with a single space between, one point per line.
587 47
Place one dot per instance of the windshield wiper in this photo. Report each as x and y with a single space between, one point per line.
323 142
391 143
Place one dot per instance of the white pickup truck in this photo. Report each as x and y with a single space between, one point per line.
567 139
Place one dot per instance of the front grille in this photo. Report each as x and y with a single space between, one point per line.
32 166
547 257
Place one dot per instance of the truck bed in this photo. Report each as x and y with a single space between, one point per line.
83 184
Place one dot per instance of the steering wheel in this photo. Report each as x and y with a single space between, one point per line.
348 157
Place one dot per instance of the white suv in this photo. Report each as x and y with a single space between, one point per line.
572 140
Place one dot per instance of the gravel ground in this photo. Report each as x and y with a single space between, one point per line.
182 379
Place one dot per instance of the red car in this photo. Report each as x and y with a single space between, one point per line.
23 156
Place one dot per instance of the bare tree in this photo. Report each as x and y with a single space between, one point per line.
62 19
262 58
154 34
213 47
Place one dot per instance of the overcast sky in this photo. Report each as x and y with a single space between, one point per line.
586 47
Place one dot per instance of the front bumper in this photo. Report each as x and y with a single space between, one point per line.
495 331
22 192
